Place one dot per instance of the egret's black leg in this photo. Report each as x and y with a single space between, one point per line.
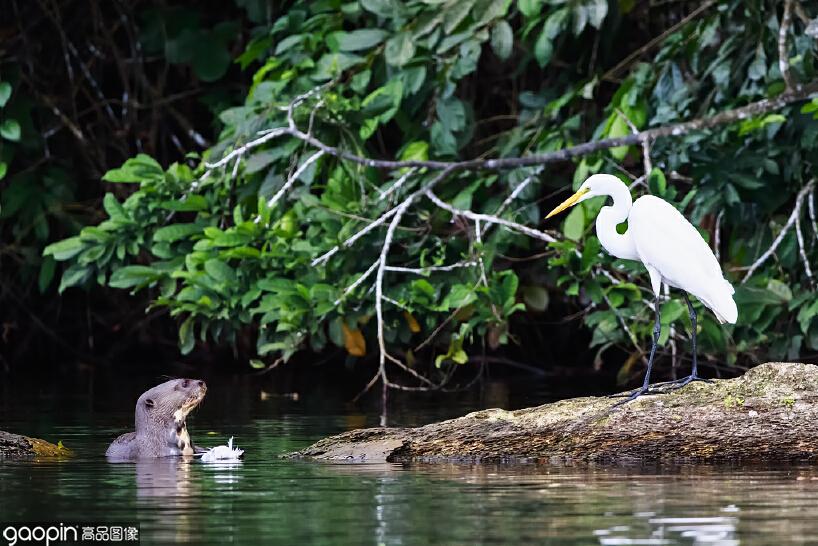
694 376
657 330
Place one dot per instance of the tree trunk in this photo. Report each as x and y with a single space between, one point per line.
16 446
768 414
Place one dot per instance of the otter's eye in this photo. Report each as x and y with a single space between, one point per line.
149 403
185 383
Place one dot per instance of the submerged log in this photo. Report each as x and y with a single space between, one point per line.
768 414
17 446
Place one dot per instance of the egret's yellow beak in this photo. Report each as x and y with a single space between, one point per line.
570 202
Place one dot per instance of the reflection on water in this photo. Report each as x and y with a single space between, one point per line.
265 499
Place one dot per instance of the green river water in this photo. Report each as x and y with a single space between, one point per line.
269 500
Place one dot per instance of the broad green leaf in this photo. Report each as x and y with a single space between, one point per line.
5 93
417 150
399 49
74 275
175 232
65 249
356 40
10 130
502 40
530 8
575 223
780 289
141 168
3 169
189 203
133 275
113 207
657 183
543 49
220 271
535 297
46 273
186 337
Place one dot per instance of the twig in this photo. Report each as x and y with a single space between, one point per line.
783 54
429 269
357 282
798 93
777 241
646 162
396 186
717 236
802 251
489 218
291 180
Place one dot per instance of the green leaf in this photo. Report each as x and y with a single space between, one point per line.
10 130
211 60
5 93
65 249
780 289
141 168
74 275
113 207
186 338
220 271
575 224
535 298
174 232
356 40
257 364
3 169
190 203
459 296
417 150
530 8
399 49
657 183
46 273
133 275
543 49
502 40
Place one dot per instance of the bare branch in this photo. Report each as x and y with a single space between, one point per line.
357 282
798 93
777 241
783 54
490 219
291 180
802 251
396 186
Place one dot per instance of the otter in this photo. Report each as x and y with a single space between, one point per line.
160 415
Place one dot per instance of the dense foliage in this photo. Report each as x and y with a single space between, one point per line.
462 79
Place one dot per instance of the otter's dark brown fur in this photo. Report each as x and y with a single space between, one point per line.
159 419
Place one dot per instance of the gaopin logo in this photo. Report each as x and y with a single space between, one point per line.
39 534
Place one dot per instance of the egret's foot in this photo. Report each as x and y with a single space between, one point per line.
629 397
679 383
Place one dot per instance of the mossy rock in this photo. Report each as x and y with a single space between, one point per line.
14 446
768 414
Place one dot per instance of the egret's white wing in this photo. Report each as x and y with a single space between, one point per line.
669 243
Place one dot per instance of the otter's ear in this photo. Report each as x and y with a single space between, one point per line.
149 403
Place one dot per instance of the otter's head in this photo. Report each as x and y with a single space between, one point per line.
168 403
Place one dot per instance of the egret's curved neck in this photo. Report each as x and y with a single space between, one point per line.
609 217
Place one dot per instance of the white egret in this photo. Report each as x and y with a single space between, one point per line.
671 249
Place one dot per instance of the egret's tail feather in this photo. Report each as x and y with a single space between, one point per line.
723 305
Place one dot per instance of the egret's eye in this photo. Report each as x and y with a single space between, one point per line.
185 383
149 403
